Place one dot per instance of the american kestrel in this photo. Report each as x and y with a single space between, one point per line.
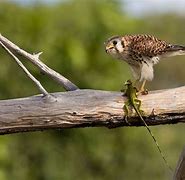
141 52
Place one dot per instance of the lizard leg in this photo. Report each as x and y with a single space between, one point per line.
138 102
123 90
126 110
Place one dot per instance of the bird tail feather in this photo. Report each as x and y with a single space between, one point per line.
175 50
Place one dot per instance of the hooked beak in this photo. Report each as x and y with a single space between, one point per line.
109 47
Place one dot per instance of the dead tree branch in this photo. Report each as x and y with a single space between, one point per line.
88 108
34 59
37 83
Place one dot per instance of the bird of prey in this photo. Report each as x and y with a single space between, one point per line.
141 52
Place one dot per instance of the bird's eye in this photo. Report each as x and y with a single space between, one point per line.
114 42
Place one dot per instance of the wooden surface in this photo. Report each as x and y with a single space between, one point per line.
88 108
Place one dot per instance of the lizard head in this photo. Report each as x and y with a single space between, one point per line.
128 82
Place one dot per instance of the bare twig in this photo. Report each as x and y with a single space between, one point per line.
180 169
34 58
38 84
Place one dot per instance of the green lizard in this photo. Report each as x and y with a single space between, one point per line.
131 93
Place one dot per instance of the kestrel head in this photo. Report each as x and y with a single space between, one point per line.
114 46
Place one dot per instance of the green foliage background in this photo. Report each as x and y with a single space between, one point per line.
71 35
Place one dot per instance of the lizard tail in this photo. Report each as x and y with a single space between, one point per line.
152 135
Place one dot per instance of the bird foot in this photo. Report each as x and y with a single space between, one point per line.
142 92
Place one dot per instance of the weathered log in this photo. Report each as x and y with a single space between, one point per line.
88 108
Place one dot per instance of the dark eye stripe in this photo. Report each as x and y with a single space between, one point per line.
116 49
122 42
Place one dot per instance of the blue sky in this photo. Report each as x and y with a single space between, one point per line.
139 7
155 6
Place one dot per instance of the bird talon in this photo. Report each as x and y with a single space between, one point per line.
142 92
145 92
